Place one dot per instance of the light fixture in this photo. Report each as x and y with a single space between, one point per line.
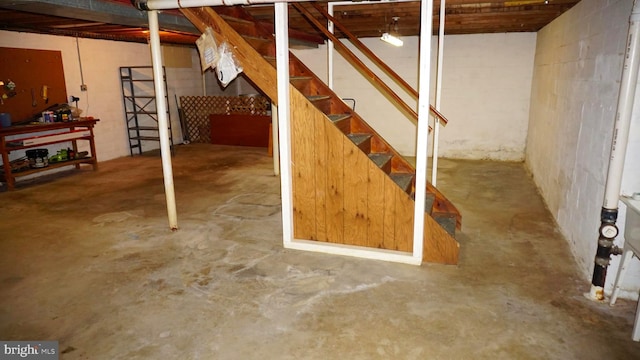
389 37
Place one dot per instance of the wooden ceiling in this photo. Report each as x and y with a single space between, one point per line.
363 20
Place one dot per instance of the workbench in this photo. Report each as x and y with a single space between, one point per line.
25 137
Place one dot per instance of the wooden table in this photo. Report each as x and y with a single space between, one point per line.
64 131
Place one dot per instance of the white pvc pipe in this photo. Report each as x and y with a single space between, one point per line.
282 65
275 144
163 128
436 120
426 14
620 133
623 115
176 4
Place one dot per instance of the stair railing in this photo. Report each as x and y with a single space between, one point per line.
354 60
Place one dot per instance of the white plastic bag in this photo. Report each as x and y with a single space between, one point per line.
208 50
228 68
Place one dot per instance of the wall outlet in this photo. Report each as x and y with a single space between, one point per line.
83 87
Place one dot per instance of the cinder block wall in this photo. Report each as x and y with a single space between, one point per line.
578 64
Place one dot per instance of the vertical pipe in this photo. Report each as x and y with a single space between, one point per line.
282 65
609 214
275 146
436 123
330 50
163 128
426 14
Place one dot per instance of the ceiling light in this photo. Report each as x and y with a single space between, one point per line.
388 38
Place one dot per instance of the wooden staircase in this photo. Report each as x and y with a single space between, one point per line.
349 185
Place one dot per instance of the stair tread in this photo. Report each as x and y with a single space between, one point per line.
402 179
293 78
318 97
380 159
338 117
359 138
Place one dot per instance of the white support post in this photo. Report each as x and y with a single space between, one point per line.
163 128
426 13
282 65
275 143
330 49
436 122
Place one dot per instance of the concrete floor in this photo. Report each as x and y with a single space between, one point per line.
88 260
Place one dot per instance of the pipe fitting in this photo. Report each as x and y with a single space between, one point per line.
140 4
609 216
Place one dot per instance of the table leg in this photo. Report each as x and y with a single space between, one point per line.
92 145
8 176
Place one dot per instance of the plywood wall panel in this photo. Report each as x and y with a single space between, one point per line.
356 173
375 207
439 245
30 70
321 151
335 184
303 157
389 239
404 221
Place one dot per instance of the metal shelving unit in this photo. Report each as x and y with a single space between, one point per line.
138 94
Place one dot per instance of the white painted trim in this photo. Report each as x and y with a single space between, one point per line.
275 143
163 128
426 15
438 95
284 127
354 251
330 48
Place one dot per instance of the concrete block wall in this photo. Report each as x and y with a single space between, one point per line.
101 60
486 92
578 64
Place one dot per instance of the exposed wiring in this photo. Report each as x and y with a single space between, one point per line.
82 84
79 61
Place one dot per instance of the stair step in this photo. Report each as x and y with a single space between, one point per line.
363 141
342 122
300 78
447 221
359 138
428 202
403 180
338 117
318 97
302 83
382 160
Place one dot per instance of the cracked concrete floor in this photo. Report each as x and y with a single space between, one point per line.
88 260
